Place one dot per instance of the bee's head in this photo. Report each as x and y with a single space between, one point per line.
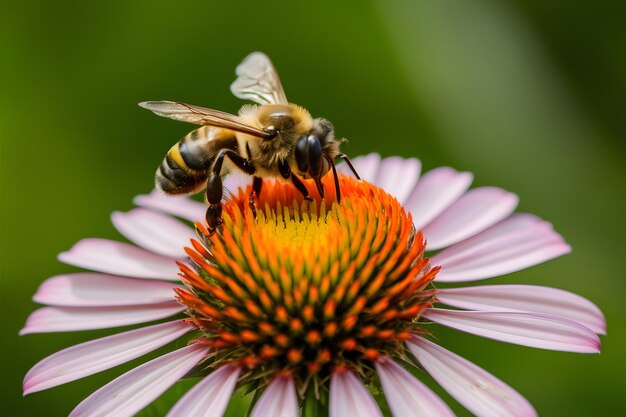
310 152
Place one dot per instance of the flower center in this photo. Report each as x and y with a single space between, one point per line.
303 287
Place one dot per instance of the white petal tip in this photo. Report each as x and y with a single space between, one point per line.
28 388
63 256
39 296
137 200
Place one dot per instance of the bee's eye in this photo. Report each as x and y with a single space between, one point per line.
315 156
309 155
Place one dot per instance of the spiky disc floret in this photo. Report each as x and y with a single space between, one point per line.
306 287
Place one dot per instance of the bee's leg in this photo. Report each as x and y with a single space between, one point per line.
301 187
337 188
345 158
257 184
286 173
215 189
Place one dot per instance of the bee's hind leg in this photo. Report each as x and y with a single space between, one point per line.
215 189
257 184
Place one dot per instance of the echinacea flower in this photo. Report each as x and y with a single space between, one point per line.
312 300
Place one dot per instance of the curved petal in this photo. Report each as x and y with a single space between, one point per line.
528 298
278 400
436 191
348 397
65 319
517 226
479 391
119 258
154 231
100 290
407 396
180 206
398 176
366 166
234 181
97 355
474 212
129 393
504 260
521 241
526 329
209 397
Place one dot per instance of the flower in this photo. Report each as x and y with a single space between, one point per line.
313 300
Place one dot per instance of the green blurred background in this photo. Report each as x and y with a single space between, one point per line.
527 95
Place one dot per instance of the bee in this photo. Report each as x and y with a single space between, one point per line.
272 139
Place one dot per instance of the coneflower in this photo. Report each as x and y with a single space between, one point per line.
311 304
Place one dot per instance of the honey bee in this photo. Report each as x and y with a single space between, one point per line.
272 139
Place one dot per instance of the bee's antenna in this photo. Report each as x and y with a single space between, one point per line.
345 158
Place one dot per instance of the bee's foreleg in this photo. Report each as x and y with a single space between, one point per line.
337 188
257 184
215 189
286 173
301 187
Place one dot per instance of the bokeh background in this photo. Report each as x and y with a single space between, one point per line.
529 95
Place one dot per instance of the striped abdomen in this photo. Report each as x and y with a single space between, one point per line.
185 168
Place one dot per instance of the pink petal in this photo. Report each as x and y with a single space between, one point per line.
517 225
65 319
97 290
516 243
97 355
528 298
527 329
119 258
367 167
129 393
209 397
236 180
474 212
153 231
407 396
436 191
348 397
398 176
278 400
479 391
180 206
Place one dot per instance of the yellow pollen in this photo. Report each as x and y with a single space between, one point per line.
296 228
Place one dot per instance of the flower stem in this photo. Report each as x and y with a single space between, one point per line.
313 407
255 397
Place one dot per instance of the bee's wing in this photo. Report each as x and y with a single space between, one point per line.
257 80
202 116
